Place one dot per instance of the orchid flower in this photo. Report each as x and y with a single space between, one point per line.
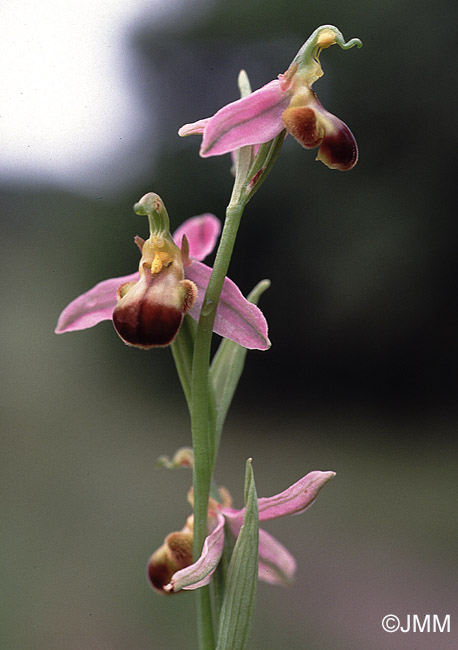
171 569
147 307
287 102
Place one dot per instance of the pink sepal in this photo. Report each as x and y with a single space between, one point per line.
295 499
92 307
236 318
194 128
251 120
199 574
276 564
201 233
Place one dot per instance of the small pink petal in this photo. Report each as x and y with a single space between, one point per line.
251 120
92 307
276 564
236 318
201 233
194 128
199 574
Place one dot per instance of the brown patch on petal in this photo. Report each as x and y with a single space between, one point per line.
145 324
339 149
301 122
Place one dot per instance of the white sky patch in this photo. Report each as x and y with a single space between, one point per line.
67 110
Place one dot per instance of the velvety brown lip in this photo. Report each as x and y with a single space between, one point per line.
147 325
159 575
302 124
339 150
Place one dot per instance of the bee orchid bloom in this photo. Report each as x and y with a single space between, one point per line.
147 307
170 568
284 103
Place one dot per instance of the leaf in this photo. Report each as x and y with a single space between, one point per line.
237 612
227 367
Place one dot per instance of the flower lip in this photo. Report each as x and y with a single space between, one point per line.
312 126
174 554
159 571
301 122
146 324
339 149
149 312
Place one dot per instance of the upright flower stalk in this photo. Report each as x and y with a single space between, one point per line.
202 406
220 548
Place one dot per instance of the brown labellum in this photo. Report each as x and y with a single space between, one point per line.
313 126
147 324
149 312
339 149
301 122
173 555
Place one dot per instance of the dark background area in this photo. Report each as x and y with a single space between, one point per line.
361 377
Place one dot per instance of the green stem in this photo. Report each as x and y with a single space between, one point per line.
203 411
202 406
205 633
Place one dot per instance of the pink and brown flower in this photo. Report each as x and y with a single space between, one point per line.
147 307
287 102
171 569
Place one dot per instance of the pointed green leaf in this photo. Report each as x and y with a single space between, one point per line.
237 612
227 367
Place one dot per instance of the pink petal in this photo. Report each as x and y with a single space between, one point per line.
276 564
201 233
236 318
94 306
195 128
295 499
200 573
251 120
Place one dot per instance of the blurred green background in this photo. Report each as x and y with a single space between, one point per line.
361 377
